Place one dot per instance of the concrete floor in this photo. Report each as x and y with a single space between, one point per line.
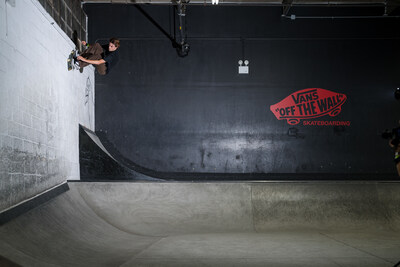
284 248
210 224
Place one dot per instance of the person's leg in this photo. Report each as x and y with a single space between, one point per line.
397 159
92 50
102 69
92 53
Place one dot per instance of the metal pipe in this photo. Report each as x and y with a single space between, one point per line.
174 43
181 15
294 17
248 3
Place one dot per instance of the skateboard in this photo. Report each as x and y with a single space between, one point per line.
71 61
74 53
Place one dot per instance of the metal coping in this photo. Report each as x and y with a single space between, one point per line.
31 203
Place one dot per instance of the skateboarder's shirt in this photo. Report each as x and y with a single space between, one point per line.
111 58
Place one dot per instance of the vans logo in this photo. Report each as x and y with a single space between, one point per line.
308 104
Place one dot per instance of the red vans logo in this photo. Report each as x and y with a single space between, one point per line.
308 104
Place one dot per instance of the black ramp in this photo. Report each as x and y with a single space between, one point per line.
198 115
97 163
100 160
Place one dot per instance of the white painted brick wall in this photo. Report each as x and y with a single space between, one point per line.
41 103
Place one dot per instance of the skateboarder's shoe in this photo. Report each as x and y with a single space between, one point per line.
76 62
76 55
78 67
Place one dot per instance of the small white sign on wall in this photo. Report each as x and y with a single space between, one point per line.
243 69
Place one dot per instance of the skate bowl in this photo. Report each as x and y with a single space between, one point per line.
210 224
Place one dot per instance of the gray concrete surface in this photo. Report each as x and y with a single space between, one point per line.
211 224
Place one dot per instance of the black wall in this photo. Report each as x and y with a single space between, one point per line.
197 114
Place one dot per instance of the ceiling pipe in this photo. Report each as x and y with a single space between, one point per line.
250 2
294 17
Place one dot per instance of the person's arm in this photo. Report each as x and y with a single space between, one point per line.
390 143
94 62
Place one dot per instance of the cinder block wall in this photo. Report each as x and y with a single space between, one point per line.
41 103
69 15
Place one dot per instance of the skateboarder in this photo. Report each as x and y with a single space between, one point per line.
394 142
103 57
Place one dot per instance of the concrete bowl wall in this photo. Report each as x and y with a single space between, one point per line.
180 208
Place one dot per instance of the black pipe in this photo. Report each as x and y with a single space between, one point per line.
174 43
340 17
